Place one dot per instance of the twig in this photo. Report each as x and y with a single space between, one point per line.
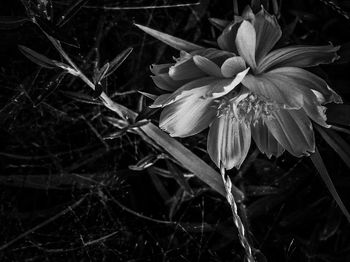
236 219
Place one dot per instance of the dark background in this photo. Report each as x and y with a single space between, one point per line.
68 194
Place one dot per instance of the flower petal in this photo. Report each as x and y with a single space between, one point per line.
163 81
299 56
160 68
274 89
185 70
232 66
228 141
293 130
185 90
305 79
246 43
187 116
227 38
268 32
207 66
265 141
223 87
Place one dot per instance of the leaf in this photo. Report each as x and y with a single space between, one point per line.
189 160
38 58
170 40
118 60
146 162
99 74
10 22
322 170
338 114
219 23
337 143
70 12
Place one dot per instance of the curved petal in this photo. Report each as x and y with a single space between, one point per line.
223 87
160 68
228 141
185 90
293 130
232 66
185 69
299 56
227 38
308 80
207 66
272 88
265 141
246 43
268 32
163 81
215 55
187 116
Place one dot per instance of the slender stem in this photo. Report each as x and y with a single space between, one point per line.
236 218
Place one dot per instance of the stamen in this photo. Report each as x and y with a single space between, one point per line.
247 107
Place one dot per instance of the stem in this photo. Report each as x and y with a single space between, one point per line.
236 219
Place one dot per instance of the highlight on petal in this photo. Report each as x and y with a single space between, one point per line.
265 141
299 56
220 88
164 82
160 68
228 141
246 43
185 70
273 88
232 66
268 32
293 130
187 116
199 86
207 66
170 40
305 79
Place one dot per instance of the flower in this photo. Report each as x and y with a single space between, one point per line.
260 93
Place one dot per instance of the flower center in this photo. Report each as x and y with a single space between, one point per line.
247 107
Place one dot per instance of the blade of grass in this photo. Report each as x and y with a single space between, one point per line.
322 170
170 40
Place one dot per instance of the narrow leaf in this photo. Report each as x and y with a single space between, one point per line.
37 58
219 23
189 160
172 41
337 143
322 170
118 60
70 12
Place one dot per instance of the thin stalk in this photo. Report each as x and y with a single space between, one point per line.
236 218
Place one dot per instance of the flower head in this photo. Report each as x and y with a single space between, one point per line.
257 93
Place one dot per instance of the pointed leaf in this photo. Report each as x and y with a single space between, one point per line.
118 60
37 58
337 143
322 170
170 40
